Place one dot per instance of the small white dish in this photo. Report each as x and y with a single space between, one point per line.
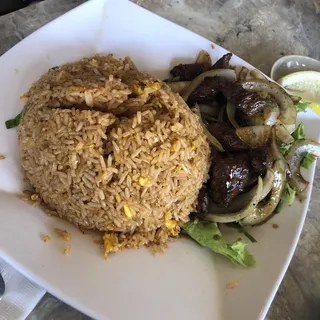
188 282
293 63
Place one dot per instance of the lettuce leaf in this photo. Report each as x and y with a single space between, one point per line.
284 147
207 234
307 161
12 123
302 106
299 132
288 194
287 197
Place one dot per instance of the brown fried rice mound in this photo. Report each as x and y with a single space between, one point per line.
110 148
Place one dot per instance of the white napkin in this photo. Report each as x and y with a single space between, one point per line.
21 295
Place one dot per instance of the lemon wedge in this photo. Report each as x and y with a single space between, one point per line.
305 84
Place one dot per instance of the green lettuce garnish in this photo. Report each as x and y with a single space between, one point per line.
302 106
307 161
284 147
299 132
287 197
207 234
288 194
12 123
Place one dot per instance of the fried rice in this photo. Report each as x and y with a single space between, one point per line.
110 148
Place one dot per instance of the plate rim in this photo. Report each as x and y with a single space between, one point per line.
60 295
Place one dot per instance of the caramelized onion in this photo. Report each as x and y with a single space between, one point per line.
295 99
263 212
255 74
276 154
178 86
210 137
211 110
231 112
254 136
282 133
294 157
270 115
204 58
243 73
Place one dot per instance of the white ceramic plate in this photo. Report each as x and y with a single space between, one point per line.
188 282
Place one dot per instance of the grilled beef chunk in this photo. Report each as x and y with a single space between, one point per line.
260 160
203 200
207 90
250 102
229 177
223 62
187 72
226 135
233 173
